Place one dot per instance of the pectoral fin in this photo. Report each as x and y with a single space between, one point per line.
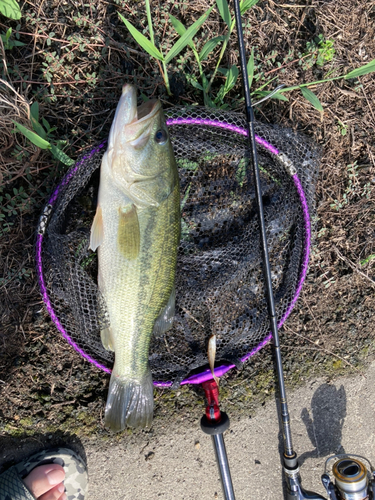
97 233
128 232
106 336
164 321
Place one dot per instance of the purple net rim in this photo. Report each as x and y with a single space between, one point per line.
205 375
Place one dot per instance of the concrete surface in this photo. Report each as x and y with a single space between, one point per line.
180 465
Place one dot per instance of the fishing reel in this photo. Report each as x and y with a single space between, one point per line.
351 479
348 479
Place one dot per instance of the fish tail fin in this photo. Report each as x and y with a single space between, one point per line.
130 402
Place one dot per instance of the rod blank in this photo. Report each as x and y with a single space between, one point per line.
288 448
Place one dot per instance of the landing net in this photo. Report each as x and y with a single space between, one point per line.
219 280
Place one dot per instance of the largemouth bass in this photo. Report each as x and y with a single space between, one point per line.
137 231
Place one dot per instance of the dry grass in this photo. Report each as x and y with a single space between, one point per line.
13 107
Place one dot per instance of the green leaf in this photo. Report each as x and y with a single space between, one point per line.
61 156
186 37
209 46
223 71
367 260
10 9
142 40
312 98
60 143
223 7
33 137
178 26
245 5
196 85
208 101
38 128
46 125
232 76
8 34
363 70
149 21
185 197
250 67
34 117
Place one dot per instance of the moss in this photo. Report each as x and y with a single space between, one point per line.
26 422
337 364
17 432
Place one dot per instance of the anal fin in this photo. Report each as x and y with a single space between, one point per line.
164 321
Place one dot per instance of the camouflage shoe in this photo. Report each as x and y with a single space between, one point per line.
75 482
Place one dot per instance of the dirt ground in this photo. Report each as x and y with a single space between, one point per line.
75 59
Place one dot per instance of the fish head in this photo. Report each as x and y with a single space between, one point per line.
140 154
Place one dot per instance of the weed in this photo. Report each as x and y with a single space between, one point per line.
150 47
318 51
209 46
8 42
322 232
353 188
367 259
326 52
230 73
13 203
343 129
19 274
311 97
187 164
42 135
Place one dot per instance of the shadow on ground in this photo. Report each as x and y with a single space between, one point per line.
324 421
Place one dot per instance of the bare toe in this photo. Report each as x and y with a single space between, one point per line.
57 493
45 481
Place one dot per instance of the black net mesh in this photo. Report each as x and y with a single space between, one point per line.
219 280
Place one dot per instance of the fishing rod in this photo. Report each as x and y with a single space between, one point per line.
293 480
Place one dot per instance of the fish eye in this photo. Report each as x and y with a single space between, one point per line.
161 136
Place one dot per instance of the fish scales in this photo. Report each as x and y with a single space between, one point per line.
135 291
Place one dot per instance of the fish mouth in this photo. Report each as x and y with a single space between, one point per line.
148 109
138 128
133 123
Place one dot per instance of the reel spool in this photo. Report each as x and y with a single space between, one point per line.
351 479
